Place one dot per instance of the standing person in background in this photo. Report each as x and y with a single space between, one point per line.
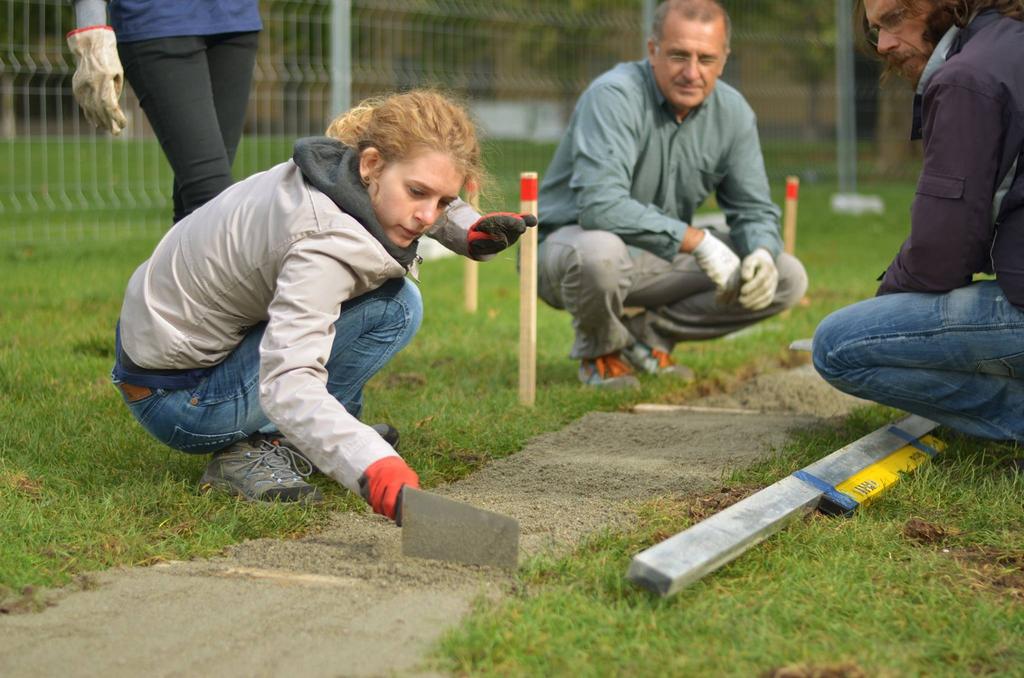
934 341
251 330
189 63
648 143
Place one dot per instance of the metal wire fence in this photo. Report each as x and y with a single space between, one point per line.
519 64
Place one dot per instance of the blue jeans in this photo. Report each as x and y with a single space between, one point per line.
955 358
225 406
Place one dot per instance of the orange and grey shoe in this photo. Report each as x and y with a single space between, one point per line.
655 361
608 371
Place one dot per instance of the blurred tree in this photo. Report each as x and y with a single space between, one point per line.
516 49
800 35
897 155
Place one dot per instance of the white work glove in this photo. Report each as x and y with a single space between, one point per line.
721 265
760 279
98 76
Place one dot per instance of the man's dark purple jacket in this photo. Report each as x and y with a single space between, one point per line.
973 131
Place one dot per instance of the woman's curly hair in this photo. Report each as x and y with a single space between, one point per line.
403 124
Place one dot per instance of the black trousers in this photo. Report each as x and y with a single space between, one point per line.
195 91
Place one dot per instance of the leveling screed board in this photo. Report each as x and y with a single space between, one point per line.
838 484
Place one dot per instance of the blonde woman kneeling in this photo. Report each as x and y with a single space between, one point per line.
251 330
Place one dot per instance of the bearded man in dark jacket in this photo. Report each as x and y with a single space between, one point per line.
936 341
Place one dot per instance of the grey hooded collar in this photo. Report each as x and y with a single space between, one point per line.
333 168
938 58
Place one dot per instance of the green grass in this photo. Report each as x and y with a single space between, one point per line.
825 593
82 487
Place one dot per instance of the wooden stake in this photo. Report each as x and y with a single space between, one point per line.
789 217
528 293
471 269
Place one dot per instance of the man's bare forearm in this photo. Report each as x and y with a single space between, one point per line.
691 239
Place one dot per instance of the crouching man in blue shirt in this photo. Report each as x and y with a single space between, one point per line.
935 342
648 142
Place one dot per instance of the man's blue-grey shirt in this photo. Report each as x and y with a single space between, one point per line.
625 165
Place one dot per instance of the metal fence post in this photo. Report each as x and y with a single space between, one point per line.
647 17
846 127
847 200
341 56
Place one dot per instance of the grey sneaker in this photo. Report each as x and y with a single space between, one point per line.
608 371
654 361
258 469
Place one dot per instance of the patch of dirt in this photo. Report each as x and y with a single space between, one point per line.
29 599
996 571
988 569
22 484
922 531
34 599
704 506
345 600
845 670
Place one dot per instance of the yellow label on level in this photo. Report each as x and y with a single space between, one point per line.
866 485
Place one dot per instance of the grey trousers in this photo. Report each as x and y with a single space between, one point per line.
595 277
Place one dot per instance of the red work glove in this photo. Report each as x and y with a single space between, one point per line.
381 485
495 231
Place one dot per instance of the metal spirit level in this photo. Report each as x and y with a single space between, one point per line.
836 484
